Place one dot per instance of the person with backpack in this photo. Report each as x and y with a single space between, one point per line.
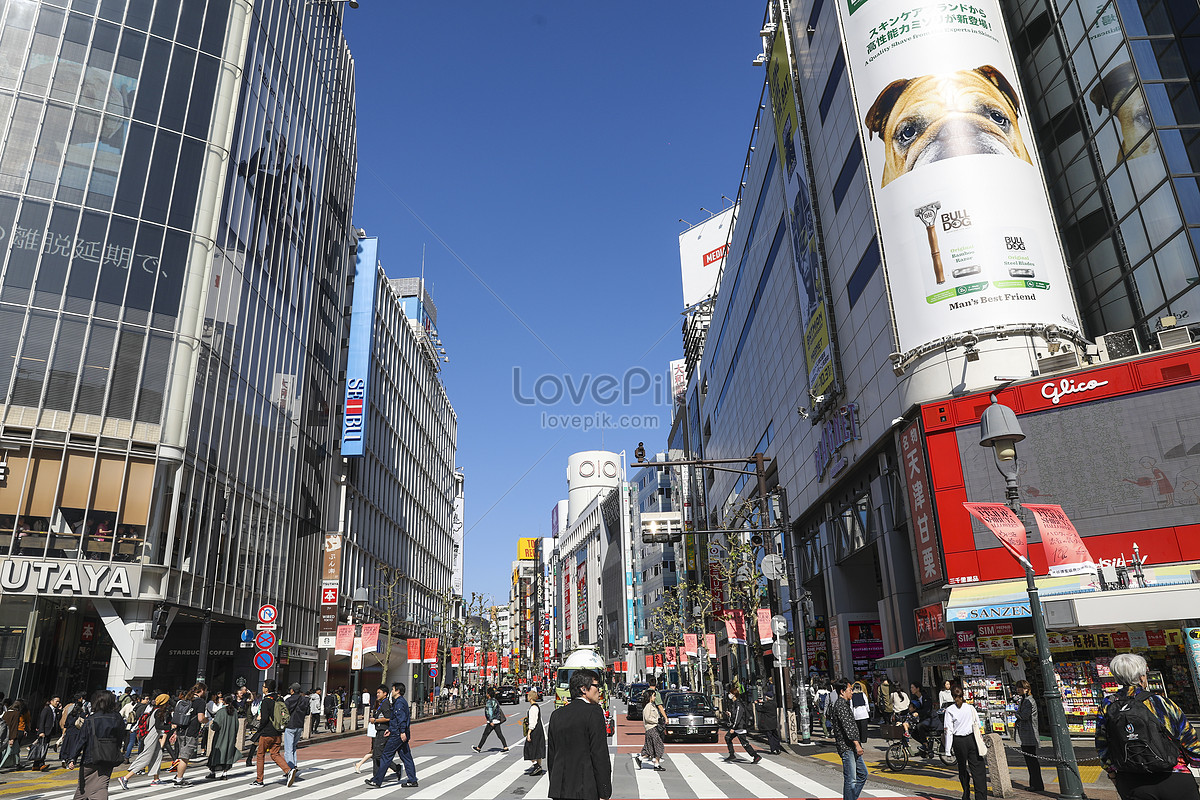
272 721
151 730
1144 741
187 719
739 716
495 718
103 748
132 712
297 707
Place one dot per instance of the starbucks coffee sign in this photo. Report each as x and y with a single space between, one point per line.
68 578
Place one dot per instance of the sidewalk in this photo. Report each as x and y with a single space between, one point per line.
936 780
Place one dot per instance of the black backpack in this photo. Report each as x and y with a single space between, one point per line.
105 741
1137 740
182 715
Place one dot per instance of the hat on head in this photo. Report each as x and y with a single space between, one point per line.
162 699
296 686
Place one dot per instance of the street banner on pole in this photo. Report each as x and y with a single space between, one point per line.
649 662
469 655
370 638
492 659
504 663
735 626
689 644
658 660
356 658
345 640
670 656
431 646
414 651
765 634
1008 528
455 656
710 644
1066 554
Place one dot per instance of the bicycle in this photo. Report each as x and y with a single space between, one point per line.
898 753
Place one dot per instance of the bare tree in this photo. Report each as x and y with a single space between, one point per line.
390 607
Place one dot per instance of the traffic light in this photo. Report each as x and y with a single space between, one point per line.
158 625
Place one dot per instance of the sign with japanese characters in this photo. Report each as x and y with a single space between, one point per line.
966 231
1066 554
1008 528
920 505
931 623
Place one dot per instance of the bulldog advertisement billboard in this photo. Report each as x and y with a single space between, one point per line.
965 225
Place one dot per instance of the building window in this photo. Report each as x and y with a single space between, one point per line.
863 272
849 167
831 83
813 17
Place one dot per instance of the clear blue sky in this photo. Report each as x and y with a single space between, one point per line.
542 151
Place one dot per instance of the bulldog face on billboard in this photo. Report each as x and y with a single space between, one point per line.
933 117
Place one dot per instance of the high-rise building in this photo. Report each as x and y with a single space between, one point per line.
176 187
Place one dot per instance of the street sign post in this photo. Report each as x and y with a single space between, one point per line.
265 640
433 671
267 614
263 660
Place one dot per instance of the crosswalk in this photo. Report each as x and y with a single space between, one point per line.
702 776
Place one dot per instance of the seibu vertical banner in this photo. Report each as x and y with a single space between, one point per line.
358 351
966 231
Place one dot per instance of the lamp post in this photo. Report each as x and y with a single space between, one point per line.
359 610
999 430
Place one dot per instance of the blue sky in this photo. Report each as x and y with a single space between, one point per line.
541 153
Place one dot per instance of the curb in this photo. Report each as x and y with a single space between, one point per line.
333 737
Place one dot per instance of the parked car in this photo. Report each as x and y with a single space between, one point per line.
636 690
507 694
689 716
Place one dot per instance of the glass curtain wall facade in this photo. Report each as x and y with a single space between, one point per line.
176 182
1113 89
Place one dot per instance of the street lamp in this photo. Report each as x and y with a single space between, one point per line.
999 430
358 604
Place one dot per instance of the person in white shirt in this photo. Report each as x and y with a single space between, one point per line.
963 735
945 697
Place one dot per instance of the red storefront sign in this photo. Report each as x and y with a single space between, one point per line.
931 623
920 505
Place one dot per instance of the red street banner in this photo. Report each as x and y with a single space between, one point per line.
414 651
492 659
658 659
649 662
431 651
469 655
710 644
478 659
689 644
345 640
931 623
765 634
504 663
455 656
1008 528
670 659
735 626
370 638
1066 554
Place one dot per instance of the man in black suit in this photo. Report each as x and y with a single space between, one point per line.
577 748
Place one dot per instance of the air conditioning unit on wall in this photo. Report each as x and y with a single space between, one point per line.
1118 344
1174 337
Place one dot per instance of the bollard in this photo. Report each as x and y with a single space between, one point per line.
341 721
308 731
241 734
354 718
997 766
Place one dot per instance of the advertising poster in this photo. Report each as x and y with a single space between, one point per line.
370 638
735 626
965 226
866 644
789 147
431 646
414 650
765 634
920 505
710 644
1008 528
818 649
1066 554
344 642
689 644
455 656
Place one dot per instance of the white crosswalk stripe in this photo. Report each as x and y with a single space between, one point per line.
649 784
742 774
234 786
478 766
440 765
805 784
497 785
882 793
696 779
540 790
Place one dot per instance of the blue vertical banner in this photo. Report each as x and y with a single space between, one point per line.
358 359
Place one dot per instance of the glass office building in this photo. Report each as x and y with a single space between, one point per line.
176 186
1114 98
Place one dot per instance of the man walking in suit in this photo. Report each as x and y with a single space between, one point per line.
577 748
397 742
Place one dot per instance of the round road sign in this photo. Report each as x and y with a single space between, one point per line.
267 614
433 670
263 660
247 635
265 640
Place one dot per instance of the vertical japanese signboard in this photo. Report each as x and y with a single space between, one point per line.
789 147
358 352
965 226
331 575
920 505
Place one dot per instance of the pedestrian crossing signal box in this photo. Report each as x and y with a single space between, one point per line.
661 531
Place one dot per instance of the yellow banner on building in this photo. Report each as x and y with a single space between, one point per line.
527 549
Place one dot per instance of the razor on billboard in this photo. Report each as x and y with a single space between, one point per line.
702 255
806 250
965 225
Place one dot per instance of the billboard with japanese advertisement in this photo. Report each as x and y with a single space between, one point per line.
702 250
789 145
965 226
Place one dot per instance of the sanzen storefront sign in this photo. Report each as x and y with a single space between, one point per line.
68 578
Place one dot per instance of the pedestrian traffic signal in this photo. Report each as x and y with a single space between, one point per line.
158 625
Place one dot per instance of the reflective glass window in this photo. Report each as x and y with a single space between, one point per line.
160 182
137 15
26 243
78 162
175 98
12 322
71 57
1177 266
85 265
203 92
115 258
126 370
64 367
98 91
1149 287
58 243
1189 198
36 78
33 361
154 78
14 40
140 295
191 20
215 22
48 156
187 183
112 10
135 164
165 17
125 73
18 148
110 149
97 363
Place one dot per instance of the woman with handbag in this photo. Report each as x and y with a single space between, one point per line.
535 735
16 722
152 728
654 723
860 707
495 718
73 727
964 738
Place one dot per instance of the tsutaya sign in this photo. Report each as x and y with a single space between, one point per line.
71 578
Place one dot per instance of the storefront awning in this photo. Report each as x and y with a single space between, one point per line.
898 659
981 602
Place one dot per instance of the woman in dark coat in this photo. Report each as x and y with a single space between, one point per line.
223 751
768 721
73 731
535 741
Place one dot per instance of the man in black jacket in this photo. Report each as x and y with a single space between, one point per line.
269 735
297 707
48 731
577 750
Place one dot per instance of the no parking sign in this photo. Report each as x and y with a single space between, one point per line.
263 660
